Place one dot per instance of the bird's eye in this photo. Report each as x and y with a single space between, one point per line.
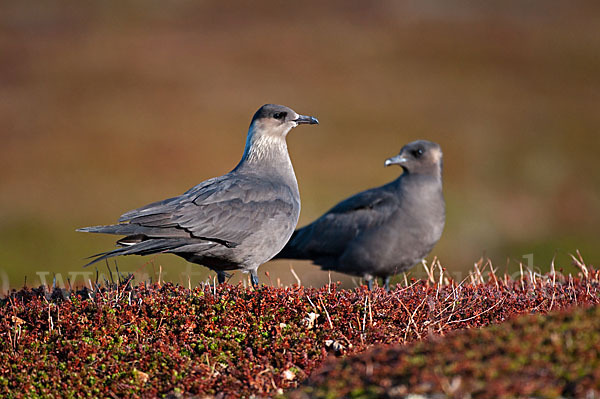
279 115
418 152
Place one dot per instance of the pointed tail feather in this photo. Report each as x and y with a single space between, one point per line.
132 229
109 229
147 247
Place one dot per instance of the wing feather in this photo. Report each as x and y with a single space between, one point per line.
225 209
331 233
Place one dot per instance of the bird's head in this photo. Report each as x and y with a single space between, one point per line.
419 157
265 142
277 120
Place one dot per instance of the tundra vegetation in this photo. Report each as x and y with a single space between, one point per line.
117 339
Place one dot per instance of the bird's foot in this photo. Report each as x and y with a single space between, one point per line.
222 276
254 278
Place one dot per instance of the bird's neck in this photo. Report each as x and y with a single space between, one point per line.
267 153
420 185
261 148
431 174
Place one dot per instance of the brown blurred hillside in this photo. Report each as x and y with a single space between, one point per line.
107 106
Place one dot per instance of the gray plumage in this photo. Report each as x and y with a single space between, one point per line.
382 231
236 221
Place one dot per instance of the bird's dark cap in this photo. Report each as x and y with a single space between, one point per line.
270 111
418 156
283 114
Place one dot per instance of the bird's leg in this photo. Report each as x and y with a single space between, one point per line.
222 276
386 283
370 283
254 278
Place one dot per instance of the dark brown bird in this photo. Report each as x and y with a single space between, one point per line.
382 231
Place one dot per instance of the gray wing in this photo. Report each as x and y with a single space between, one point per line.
224 210
231 215
329 235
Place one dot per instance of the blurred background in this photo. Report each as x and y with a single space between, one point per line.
106 106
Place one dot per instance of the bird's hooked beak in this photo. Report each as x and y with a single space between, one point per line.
310 120
397 160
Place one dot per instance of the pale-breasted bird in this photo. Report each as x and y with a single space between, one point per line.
236 221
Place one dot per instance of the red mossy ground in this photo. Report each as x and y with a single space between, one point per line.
231 341
541 356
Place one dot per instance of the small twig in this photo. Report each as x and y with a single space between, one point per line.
553 272
364 322
58 319
437 292
522 277
312 304
269 277
411 319
429 270
493 273
50 321
532 278
478 273
326 312
573 289
478 314
580 264
454 289
473 281
296 276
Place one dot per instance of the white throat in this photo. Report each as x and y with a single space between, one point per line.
266 148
